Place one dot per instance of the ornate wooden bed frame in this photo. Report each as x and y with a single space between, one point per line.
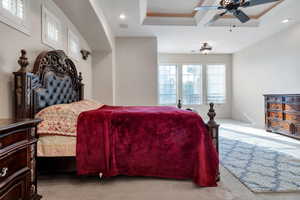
54 80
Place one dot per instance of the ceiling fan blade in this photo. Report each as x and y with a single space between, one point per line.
257 2
215 18
241 16
207 8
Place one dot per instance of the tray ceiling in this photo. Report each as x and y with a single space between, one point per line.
167 6
182 34
163 12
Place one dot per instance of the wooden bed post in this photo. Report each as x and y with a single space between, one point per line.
81 85
213 127
213 130
23 107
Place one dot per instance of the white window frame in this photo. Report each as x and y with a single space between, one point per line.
15 22
204 82
73 36
180 83
177 85
46 13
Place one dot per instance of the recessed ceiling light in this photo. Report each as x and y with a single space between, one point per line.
285 21
122 16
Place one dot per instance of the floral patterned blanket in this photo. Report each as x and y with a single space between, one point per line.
61 119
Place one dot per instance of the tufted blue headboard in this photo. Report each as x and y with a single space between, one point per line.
55 91
58 80
53 80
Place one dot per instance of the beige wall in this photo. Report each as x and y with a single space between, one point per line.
223 110
136 71
12 41
103 77
270 66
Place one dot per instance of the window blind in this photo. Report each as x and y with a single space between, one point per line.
216 84
15 7
167 84
52 32
20 9
191 84
73 45
52 29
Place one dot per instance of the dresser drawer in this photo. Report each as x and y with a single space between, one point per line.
292 107
274 99
275 106
17 189
294 118
275 115
12 138
12 163
284 127
278 126
17 159
292 99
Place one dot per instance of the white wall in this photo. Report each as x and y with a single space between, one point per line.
92 25
12 41
270 66
223 111
136 71
101 38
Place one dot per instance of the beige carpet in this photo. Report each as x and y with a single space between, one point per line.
70 187
126 188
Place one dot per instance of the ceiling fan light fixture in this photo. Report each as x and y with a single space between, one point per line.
205 49
225 3
205 52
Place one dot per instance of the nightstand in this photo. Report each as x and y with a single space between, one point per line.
18 180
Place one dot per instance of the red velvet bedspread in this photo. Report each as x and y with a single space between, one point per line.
146 141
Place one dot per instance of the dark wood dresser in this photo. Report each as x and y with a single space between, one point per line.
282 114
18 180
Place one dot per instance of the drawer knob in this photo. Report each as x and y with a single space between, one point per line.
3 172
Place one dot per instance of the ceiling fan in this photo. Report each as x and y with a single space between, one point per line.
206 48
232 6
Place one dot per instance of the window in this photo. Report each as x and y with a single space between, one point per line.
15 7
167 84
73 45
52 30
13 13
191 84
187 82
216 83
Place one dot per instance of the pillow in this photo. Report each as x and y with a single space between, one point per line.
61 119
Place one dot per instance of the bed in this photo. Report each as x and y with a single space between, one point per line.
54 84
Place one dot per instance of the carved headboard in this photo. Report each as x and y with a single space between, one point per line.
53 80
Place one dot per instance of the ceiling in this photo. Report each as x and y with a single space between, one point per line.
167 6
186 30
95 35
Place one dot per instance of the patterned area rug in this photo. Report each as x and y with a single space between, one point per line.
259 165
